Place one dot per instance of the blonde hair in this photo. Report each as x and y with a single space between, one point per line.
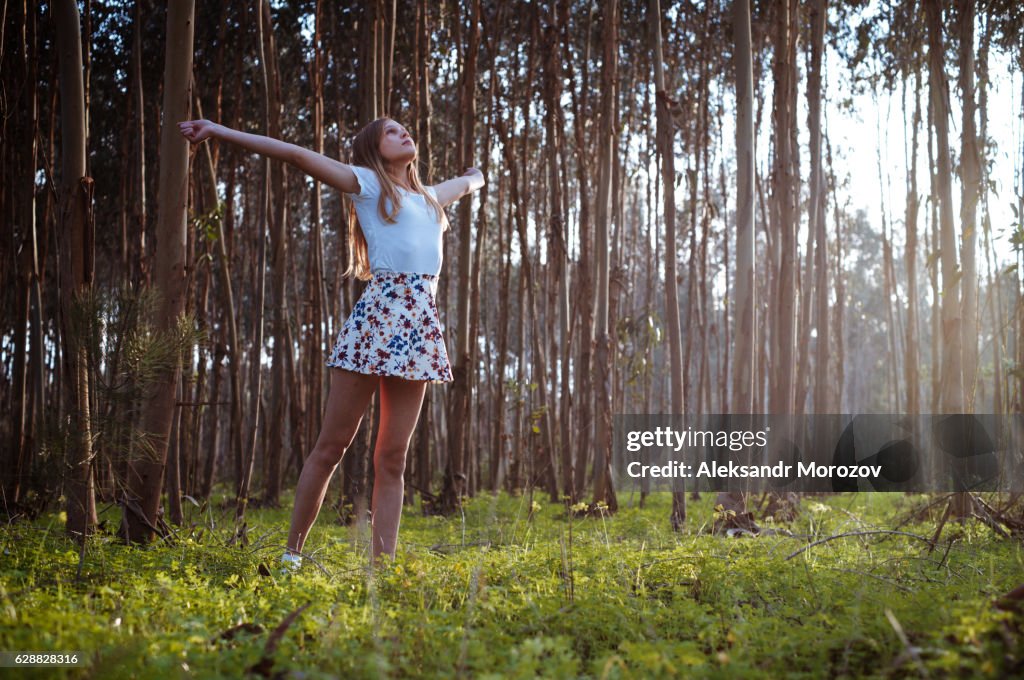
366 153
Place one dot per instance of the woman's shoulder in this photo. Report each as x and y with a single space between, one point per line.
369 183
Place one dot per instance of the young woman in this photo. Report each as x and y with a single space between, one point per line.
392 338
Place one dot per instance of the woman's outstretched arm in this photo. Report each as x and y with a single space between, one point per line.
452 190
317 166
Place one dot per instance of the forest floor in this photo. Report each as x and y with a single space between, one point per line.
516 588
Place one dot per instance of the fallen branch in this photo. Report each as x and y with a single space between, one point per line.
942 523
266 664
909 650
857 533
981 511
874 576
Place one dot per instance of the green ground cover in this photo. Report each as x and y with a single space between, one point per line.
519 589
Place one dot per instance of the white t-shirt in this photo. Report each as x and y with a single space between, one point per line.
413 243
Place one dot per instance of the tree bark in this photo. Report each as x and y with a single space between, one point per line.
607 148
819 19
910 368
970 175
784 192
76 258
145 474
280 367
744 357
952 376
458 405
664 134
256 380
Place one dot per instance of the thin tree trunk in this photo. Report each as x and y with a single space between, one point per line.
140 261
664 135
995 277
213 451
172 477
423 81
744 358
279 254
76 257
316 283
952 377
22 204
234 347
836 406
501 455
913 335
784 194
558 247
458 405
822 386
970 172
145 474
603 489
583 280
931 246
952 382
256 387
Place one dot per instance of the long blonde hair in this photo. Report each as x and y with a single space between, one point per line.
366 153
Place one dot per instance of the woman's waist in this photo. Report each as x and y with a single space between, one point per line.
390 274
385 280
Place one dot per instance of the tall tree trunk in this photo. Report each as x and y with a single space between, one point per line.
458 405
664 134
838 318
952 385
913 335
994 275
892 395
140 259
422 81
234 348
372 70
558 251
822 386
784 193
931 246
578 92
970 176
952 376
76 271
145 474
256 380
316 288
607 150
500 468
476 437
20 161
744 357
276 417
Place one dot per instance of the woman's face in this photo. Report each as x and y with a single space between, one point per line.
396 146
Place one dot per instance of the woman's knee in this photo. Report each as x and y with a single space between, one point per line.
390 462
329 451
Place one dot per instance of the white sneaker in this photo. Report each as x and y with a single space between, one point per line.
290 563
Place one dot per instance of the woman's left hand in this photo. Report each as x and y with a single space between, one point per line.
476 178
197 131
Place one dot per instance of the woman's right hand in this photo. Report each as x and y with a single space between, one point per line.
197 131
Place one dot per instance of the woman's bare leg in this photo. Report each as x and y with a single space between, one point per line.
400 402
349 394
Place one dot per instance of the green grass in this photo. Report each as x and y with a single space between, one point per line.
503 592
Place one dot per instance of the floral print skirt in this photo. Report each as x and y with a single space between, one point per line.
394 330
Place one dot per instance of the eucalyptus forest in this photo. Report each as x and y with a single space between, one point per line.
690 207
